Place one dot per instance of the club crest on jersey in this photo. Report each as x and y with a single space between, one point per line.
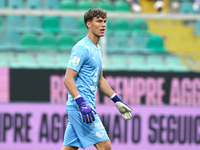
75 60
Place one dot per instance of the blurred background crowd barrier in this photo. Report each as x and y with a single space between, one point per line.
151 56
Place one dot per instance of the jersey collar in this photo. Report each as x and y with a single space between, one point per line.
92 43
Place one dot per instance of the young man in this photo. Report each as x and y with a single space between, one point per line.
83 75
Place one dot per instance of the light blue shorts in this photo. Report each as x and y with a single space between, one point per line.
80 134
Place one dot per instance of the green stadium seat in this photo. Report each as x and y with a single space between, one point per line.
109 26
30 41
7 57
119 44
69 24
81 26
68 5
156 63
32 24
51 24
15 4
33 4
48 42
139 25
2 4
66 42
174 63
84 5
51 4
137 63
115 62
105 5
79 37
14 23
3 64
3 56
139 42
121 25
186 7
62 60
121 6
3 59
13 63
155 44
198 11
46 60
1 23
25 60
197 28
1 43
12 41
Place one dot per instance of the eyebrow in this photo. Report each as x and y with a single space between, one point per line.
101 19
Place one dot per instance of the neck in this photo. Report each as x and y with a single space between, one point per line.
93 38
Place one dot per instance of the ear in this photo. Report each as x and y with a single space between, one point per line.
88 24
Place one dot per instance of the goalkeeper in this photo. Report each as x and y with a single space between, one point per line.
83 75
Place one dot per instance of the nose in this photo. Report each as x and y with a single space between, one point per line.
104 24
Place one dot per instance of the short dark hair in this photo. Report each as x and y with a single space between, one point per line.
96 12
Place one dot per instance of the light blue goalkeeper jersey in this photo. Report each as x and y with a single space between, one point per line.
85 59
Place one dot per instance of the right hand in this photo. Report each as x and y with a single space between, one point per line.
87 113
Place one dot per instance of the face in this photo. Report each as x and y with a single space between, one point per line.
97 26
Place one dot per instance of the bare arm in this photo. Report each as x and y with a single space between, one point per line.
104 86
70 83
121 106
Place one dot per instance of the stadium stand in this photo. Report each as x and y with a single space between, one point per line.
13 4
121 6
84 5
69 24
51 24
156 44
186 7
61 60
32 24
46 60
197 28
14 23
2 4
135 44
48 42
121 25
12 41
68 5
51 4
36 4
25 60
139 42
139 24
30 41
107 5
66 42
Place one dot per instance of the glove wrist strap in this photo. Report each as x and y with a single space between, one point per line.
115 99
113 96
79 100
77 97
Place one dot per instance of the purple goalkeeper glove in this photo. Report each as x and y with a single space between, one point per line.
123 108
87 113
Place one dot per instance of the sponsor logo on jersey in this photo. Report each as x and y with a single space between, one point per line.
97 125
75 60
100 134
93 88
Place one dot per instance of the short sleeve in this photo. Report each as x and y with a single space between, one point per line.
101 58
77 58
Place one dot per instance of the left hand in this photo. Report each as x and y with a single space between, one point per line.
123 108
